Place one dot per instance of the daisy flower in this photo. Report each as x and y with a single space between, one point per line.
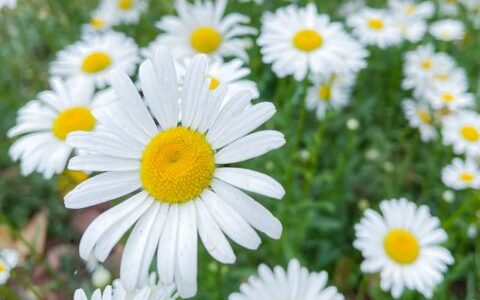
329 92
8 261
102 20
462 131
43 125
449 7
453 96
150 291
125 11
95 56
298 40
375 27
203 28
292 284
419 10
411 29
403 244
448 30
461 174
419 116
173 173
423 67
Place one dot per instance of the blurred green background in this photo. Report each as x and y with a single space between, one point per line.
331 174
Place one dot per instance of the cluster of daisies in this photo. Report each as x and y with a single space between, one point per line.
158 130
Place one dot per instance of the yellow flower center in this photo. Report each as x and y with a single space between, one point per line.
307 40
97 23
447 97
125 4
214 83
324 92
424 116
2 268
427 63
375 23
73 119
96 62
442 76
205 40
177 165
401 246
470 133
467 177
410 9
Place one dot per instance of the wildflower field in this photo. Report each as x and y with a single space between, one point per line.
240 150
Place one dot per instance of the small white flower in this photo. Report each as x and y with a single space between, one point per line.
203 28
102 20
462 131
292 284
419 116
411 29
93 57
410 8
453 96
424 68
124 11
403 244
352 124
448 30
101 277
375 27
298 40
461 174
8 261
43 125
150 290
329 92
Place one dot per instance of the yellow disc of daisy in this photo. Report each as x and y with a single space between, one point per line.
470 133
177 165
307 40
73 119
96 62
375 24
125 4
325 92
205 40
401 246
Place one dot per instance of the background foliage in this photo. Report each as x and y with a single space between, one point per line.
330 173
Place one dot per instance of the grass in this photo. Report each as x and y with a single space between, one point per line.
328 171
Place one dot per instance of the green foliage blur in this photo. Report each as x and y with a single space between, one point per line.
331 174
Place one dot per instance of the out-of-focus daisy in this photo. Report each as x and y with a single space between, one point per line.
375 27
409 8
203 28
292 284
8 261
453 96
298 40
329 92
151 290
173 173
419 116
449 7
8 4
403 244
462 131
44 124
461 174
95 56
102 20
124 11
424 67
350 7
411 29
448 30
232 72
